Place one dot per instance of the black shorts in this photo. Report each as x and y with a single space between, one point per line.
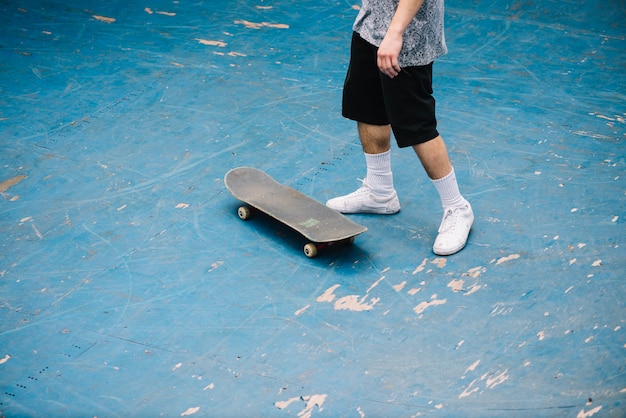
405 101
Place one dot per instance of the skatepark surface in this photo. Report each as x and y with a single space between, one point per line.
130 288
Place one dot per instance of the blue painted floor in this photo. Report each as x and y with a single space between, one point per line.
130 288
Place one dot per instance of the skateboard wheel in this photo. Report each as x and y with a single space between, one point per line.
244 212
310 250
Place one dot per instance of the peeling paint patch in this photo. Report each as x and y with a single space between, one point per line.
491 379
328 295
215 265
475 272
7 184
312 401
285 404
469 390
590 413
211 43
301 311
104 19
354 303
456 285
420 267
375 284
497 379
253 25
440 262
399 286
472 367
507 258
190 411
424 305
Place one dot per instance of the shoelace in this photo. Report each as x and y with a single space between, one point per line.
448 224
365 188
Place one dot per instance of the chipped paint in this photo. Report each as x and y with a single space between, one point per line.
328 295
424 305
590 413
311 402
104 18
470 389
215 266
398 287
209 42
497 379
507 258
190 411
475 272
7 184
353 303
420 267
456 285
253 25
302 310
472 367
440 262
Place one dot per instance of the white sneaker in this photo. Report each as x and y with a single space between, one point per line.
454 229
364 201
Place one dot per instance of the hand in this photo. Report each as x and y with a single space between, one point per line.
388 53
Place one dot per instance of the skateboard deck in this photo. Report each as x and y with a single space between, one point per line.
315 221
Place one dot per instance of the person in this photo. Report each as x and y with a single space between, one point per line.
388 88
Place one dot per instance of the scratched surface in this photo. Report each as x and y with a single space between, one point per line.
129 287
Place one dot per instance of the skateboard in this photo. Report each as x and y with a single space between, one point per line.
315 221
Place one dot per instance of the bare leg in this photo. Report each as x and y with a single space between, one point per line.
375 139
434 157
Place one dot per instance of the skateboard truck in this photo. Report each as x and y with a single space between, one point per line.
310 249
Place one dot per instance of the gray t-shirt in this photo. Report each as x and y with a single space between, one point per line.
424 38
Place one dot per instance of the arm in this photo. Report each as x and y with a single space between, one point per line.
392 43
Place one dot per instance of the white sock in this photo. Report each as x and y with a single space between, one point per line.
379 176
449 190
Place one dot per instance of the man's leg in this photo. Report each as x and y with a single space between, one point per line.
375 139
377 194
433 155
458 216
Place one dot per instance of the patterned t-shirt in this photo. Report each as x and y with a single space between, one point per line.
423 39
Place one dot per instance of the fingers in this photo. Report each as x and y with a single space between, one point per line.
388 66
387 55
